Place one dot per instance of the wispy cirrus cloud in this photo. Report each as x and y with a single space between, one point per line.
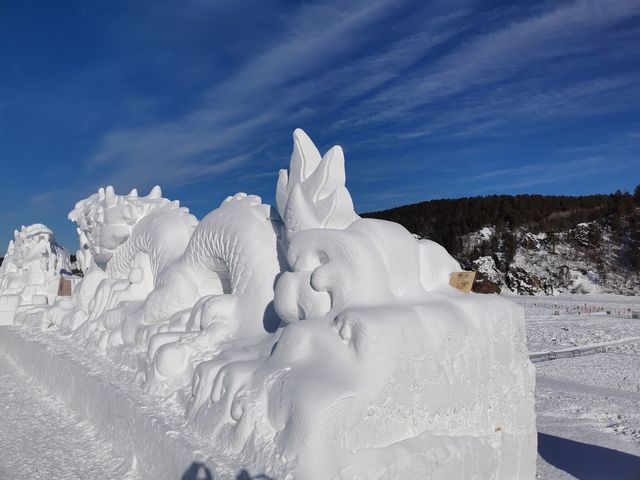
321 54
274 89
530 104
496 56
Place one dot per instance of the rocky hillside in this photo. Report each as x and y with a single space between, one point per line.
532 244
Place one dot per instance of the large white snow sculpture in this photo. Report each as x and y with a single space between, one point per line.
127 241
31 270
383 370
219 294
306 342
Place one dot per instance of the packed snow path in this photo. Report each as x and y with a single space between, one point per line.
41 439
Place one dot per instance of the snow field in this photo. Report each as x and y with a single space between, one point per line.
592 401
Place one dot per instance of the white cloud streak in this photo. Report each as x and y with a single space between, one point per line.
290 79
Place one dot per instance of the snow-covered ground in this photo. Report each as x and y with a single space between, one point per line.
40 438
588 407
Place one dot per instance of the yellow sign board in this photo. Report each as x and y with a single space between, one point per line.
463 281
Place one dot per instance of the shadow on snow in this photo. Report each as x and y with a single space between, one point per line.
582 460
199 471
588 462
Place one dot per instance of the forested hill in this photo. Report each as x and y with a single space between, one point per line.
496 229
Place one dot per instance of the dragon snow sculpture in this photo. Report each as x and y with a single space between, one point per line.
305 341
219 293
126 241
381 370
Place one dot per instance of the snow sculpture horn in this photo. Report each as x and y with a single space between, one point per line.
314 195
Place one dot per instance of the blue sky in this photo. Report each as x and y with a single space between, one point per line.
428 99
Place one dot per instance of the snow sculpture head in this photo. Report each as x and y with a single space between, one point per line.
105 220
336 259
131 240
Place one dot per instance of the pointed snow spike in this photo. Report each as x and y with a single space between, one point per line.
282 194
305 157
312 157
254 199
156 192
334 173
329 175
133 193
110 196
345 215
295 165
264 210
101 194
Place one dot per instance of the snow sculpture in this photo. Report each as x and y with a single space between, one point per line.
128 240
382 370
106 220
219 294
31 270
306 342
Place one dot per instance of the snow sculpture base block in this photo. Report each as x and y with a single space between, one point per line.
8 305
437 390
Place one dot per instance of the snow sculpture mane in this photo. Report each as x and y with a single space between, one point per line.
306 342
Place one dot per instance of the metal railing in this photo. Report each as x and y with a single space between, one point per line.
579 351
